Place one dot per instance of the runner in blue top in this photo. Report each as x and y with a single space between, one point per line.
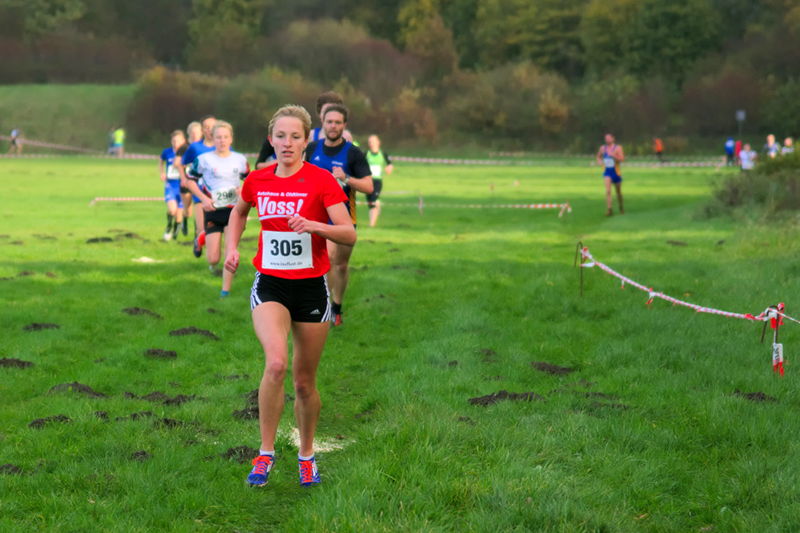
194 150
172 184
610 155
349 166
730 147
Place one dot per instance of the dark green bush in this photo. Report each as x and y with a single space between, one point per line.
771 189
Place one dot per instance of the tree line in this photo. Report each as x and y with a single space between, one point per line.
546 72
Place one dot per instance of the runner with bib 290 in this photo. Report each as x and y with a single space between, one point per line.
221 172
349 166
300 206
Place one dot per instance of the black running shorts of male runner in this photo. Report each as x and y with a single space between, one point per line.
306 299
215 221
184 190
372 197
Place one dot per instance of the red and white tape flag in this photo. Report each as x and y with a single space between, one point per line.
421 205
772 315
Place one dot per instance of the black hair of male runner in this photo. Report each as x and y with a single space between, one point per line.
339 108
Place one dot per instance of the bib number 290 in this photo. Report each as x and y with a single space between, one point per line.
285 250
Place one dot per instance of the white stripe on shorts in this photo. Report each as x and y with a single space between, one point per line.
254 299
328 312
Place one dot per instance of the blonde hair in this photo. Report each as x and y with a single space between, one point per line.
221 124
176 133
192 126
295 111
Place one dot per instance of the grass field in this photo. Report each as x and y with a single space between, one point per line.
48 112
646 434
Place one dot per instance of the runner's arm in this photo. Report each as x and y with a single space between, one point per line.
599 156
340 232
161 171
360 175
236 225
620 155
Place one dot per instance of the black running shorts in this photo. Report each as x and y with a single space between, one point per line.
215 221
372 197
306 299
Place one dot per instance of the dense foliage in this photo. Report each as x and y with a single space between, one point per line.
639 67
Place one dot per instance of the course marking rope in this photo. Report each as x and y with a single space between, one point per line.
421 205
773 314
126 199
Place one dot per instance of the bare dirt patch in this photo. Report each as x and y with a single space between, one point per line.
158 353
240 454
10 362
504 395
757 397
549 368
192 330
169 423
25 273
77 387
95 240
139 415
489 355
39 326
140 455
102 415
9 469
466 420
160 397
138 311
39 423
676 243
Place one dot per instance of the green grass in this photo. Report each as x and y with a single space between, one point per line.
74 115
428 294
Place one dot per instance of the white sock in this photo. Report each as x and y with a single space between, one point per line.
267 452
305 458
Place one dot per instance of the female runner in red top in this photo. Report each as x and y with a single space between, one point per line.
295 201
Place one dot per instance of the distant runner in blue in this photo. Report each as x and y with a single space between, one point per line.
206 144
730 148
172 184
610 155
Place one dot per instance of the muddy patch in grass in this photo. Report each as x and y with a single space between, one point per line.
77 387
9 469
488 355
139 415
169 423
504 395
757 397
248 413
25 273
676 243
10 362
240 454
160 397
192 330
95 240
158 353
549 368
102 415
138 311
466 420
39 423
140 455
39 326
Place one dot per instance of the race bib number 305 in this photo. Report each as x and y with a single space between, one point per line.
285 250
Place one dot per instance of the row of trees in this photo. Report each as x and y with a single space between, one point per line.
558 70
